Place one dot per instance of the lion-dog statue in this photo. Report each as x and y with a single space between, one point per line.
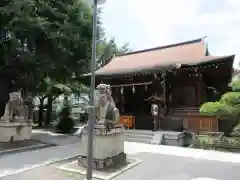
15 108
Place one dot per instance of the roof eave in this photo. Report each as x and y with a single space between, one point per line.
134 71
154 69
211 60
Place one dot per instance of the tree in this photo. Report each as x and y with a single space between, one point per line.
65 122
49 39
107 49
58 33
219 109
228 107
50 90
16 65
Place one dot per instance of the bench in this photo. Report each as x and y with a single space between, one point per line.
227 144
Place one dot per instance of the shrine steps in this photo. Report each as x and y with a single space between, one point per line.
140 136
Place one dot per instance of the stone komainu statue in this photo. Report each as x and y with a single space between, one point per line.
106 111
15 107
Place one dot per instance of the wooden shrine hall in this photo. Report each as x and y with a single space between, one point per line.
177 77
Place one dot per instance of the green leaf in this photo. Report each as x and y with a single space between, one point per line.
217 109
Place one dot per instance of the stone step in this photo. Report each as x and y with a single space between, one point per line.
145 141
138 136
139 132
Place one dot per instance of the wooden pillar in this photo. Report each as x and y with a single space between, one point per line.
198 93
165 92
122 103
202 90
164 88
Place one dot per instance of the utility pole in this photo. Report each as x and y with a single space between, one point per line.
92 116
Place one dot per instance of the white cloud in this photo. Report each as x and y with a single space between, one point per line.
160 22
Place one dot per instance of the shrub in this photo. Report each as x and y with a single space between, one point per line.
65 121
228 107
65 124
230 98
217 109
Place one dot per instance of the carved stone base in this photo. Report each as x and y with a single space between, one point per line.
15 131
101 164
15 119
108 147
106 143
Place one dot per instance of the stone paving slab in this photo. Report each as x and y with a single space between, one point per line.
168 167
108 174
153 167
45 173
25 160
22 146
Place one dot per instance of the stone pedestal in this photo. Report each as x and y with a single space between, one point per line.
15 131
108 148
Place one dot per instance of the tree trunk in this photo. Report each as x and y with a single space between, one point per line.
40 112
49 109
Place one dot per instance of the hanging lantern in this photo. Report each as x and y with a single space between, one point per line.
133 89
121 90
146 87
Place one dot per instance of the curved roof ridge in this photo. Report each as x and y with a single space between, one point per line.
163 47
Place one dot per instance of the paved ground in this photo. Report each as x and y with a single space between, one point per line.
159 162
165 167
153 167
54 138
24 160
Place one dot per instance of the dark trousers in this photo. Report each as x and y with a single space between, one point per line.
155 123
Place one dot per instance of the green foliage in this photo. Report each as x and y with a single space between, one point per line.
44 43
54 87
229 105
65 121
66 124
108 48
47 38
230 98
236 131
78 88
217 109
235 83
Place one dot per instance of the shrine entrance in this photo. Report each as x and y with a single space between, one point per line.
184 96
189 95
133 104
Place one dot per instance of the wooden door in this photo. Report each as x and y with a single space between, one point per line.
189 96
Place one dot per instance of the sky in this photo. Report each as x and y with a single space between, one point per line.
151 23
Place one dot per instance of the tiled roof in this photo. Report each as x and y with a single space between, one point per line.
186 53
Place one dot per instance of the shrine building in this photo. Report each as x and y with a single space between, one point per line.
177 77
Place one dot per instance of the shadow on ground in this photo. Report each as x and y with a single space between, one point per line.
53 138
